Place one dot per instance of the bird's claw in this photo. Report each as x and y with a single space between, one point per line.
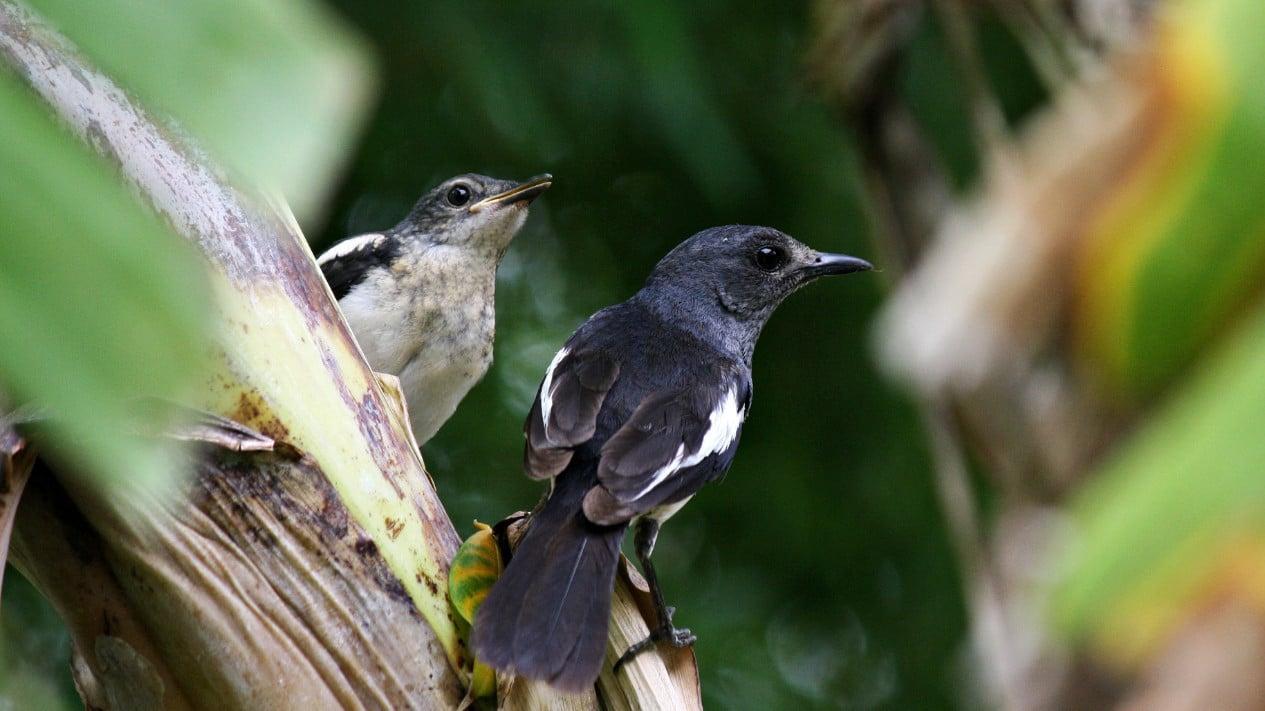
681 637
677 637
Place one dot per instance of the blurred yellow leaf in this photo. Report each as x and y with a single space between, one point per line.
1177 246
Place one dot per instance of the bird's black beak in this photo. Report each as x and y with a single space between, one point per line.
826 264
522 193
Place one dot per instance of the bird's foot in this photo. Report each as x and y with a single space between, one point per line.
676 636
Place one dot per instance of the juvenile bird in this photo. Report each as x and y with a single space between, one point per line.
420 297
641 408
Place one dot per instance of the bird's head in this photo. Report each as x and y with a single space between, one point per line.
475 212
740 273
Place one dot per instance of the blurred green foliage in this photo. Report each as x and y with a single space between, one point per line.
1180 247
1179 508
273 88
99 302
34 652
1171 509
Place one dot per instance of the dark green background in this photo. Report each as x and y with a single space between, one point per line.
818 574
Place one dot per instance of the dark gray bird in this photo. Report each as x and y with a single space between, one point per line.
641 408
420 297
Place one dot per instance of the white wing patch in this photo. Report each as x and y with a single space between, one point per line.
546 391
722 430
349 245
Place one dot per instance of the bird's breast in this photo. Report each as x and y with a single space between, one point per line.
663 512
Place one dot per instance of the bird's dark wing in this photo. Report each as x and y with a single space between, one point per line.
348 262
564 414
673 443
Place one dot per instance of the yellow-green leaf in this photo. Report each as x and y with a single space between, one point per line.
474 569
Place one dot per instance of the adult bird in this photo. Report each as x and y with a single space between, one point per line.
641 408
420 297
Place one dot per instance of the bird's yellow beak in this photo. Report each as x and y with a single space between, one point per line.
522 193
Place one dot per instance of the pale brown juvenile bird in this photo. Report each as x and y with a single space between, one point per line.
420 297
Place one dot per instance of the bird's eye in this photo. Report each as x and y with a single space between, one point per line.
770 258
458 195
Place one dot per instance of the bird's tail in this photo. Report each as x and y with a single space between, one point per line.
546 617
